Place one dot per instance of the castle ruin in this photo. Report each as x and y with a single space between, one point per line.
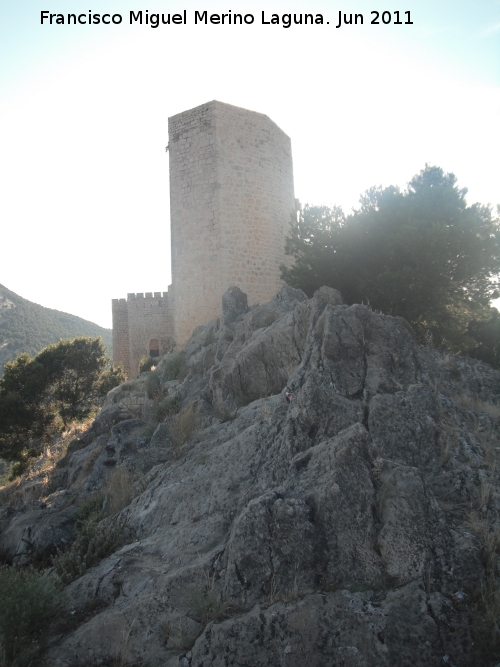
231 205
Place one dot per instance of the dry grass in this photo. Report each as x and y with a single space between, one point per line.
40 468
485 606
266 411
287 595
179 636
120 490
446 361
207 605
120 659
447 447
182 428
88 466
54 452
221 412
484 493
274 594
490 540
8 491
485 417
487 437
468 402
294 591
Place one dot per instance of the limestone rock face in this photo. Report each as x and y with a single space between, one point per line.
36 529
234 303
343 527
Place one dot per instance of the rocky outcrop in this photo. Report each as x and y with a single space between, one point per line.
352 525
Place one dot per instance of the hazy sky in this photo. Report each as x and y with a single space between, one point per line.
84 205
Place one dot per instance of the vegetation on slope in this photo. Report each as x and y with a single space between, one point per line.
41 395
27 327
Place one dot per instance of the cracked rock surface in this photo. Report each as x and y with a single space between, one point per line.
332 530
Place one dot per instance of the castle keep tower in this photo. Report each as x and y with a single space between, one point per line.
231 202
231 206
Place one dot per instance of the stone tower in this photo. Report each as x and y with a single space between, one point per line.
231 205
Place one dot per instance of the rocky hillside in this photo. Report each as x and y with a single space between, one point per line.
27 327
353 524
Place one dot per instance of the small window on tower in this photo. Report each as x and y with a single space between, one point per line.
154 348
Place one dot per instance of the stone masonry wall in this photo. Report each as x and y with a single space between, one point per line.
121 353
137 322
231 204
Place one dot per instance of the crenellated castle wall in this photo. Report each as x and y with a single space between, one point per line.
142 325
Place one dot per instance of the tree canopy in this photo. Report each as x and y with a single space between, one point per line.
422 254
64 382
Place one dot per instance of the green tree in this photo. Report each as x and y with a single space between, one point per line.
77 376
29 602
67 379
24 412
423 254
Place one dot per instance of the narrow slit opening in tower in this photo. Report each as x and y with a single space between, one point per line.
154 348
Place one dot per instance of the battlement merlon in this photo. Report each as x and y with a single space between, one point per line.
141 296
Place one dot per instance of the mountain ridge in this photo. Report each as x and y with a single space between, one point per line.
28 327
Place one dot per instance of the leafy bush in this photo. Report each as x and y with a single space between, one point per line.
175 367
90 510
95 539
18 468
153 385
28 603
168 407
146 364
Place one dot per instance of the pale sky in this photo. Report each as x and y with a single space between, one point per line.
84 205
